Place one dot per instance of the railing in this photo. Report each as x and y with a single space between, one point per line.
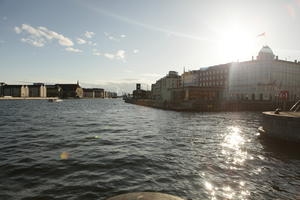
296 107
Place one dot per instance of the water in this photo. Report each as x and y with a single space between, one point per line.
94 149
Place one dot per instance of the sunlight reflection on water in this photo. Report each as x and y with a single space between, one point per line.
233 146
235 155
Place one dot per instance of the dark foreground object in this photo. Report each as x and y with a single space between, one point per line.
282 125
207 106
145 196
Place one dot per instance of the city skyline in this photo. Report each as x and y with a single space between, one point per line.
114 44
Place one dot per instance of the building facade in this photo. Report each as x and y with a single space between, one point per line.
209 83
93 93
265 79
37 90
54 91
71 90
15 91
162 89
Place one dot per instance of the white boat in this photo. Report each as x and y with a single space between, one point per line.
55 100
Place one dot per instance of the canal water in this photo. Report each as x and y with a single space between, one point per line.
94 149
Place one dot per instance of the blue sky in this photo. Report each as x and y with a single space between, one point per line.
116 43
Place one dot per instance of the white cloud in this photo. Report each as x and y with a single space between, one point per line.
109 55
40 35
114 38
18 30
120 54
80 41
71 49
92 43
136 51
88 34
36 43
97 54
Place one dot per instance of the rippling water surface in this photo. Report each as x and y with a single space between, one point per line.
94 149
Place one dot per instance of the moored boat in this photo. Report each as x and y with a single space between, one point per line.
282 125
55 100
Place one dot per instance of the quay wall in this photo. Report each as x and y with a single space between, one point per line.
210 106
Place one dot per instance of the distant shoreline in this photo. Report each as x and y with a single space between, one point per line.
27 98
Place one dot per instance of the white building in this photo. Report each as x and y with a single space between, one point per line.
266 78
162 89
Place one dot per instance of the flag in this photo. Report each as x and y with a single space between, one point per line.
261 35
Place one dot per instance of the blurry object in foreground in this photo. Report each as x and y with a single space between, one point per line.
64 155
261 35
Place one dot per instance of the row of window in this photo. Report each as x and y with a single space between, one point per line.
214 83
212 78
213 72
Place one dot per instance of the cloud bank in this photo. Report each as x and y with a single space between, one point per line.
39 36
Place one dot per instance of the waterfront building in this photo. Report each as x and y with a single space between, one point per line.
139 93
88 93
209 83
37 90
93 93
162 89
98 92
54 91
1 89
71 90
15 90
265 79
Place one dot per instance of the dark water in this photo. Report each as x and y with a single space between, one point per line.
94 149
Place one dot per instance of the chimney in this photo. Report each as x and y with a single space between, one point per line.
138 86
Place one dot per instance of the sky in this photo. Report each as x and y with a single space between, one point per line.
114 44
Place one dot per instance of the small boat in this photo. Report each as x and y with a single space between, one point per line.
282 125
55 100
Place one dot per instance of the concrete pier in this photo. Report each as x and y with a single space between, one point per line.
145 196
283 125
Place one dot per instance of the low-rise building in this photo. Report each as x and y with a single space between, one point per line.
37 90
15 90
1 89
139 93
98 93
54 91
71 90
93 93
162 89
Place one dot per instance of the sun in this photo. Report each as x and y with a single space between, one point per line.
236 43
